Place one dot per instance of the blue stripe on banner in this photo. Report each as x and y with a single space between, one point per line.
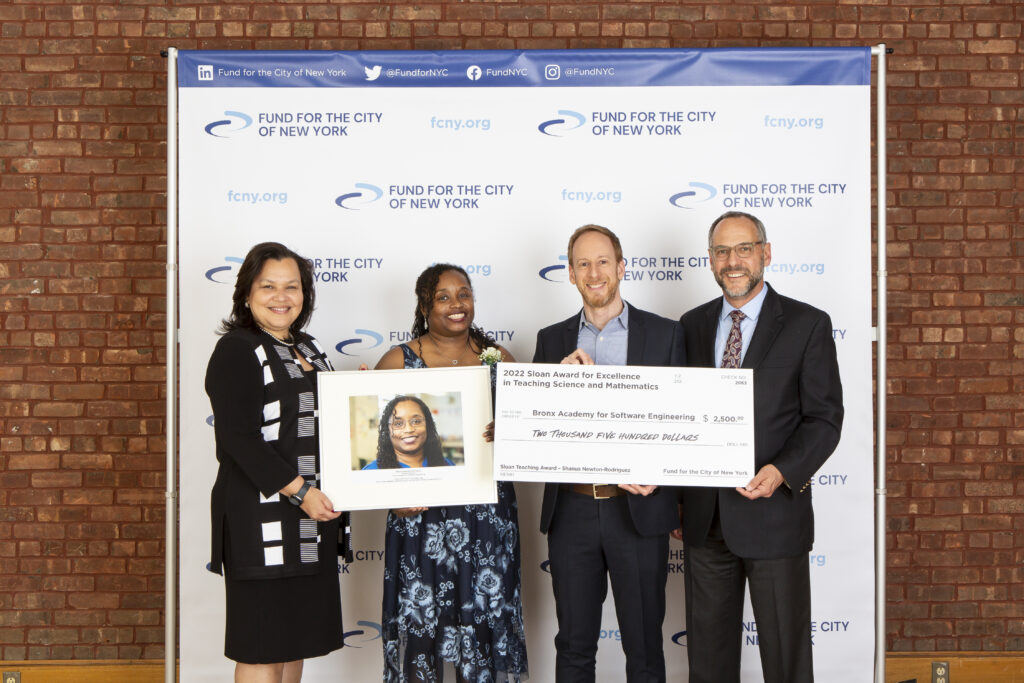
526 68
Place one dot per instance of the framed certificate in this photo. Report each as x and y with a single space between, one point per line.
406 438
610 424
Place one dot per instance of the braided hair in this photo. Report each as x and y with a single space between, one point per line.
386 458
426 285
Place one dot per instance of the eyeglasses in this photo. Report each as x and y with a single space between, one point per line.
743 250
398 423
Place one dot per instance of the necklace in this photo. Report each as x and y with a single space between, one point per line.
455 361
276 338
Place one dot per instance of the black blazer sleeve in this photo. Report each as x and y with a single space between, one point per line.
557 341
817 403
234 382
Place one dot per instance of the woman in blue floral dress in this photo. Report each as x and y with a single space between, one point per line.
451 576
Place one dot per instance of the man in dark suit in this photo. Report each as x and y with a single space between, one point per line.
597 531
760 533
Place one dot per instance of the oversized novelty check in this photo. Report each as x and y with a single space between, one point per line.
610 424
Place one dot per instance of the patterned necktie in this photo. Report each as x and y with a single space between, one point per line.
734 344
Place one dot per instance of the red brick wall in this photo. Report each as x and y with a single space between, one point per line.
82 211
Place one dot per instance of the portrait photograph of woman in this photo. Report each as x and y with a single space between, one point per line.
400 439
409 431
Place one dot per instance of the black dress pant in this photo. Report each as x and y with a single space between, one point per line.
780 595
590 541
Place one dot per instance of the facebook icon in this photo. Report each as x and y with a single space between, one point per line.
474 73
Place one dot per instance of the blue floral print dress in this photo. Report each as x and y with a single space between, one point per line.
452 590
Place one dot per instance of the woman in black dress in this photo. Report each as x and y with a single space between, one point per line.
275 534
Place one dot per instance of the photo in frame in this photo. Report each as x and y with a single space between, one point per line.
406 438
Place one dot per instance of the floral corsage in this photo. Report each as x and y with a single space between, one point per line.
490 355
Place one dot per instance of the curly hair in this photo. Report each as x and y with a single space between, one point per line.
386 458
426 285
252 266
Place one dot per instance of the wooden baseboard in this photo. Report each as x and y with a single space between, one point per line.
964 667
87 671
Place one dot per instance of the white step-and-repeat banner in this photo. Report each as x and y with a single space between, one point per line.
377 164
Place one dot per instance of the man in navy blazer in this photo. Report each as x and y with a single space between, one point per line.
760 533
605 530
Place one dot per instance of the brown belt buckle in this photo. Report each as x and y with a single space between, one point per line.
597 497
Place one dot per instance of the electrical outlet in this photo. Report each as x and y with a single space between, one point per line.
12 677
940 672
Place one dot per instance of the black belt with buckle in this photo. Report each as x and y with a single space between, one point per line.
596 491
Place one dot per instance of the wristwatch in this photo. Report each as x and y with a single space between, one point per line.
296 498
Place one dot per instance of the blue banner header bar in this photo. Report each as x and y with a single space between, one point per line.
525 68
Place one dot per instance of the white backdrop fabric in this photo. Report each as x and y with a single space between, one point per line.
377 164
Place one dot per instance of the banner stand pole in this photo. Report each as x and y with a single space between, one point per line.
881 137
171 422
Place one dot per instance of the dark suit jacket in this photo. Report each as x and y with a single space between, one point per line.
652 340
798 415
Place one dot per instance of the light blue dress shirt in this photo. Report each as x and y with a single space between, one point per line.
751 309
606 346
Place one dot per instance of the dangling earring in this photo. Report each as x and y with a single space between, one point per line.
247 304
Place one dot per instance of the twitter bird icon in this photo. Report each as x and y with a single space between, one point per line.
372 72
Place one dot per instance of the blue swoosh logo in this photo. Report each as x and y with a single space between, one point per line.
550 269
545 566
373 189
220 269
377 338
679 636
211 127
579 118
213 271
711 191
216 124
368 624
